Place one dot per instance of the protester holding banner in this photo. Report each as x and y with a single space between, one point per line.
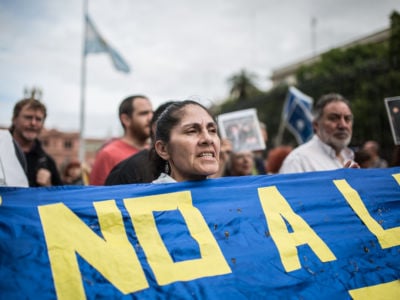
187 144
372 147
135 113
27 123
327 150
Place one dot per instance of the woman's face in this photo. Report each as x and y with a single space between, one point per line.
194 146
242 163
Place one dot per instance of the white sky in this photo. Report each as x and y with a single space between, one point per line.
176 49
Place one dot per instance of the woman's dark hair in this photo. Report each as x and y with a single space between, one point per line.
167 120
156 115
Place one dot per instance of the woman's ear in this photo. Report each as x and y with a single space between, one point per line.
161 149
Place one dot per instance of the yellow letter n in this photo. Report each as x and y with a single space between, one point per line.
275 209
211 262
113 256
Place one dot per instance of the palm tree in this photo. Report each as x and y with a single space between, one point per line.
242 85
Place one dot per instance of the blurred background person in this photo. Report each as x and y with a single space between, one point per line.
135 113
275 158
241 163
27 122
363 158
224 158
72 174
395 159
372 147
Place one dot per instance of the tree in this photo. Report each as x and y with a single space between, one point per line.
242 85
394 49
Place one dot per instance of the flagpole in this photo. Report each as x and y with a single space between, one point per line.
279 137
83 88
282 124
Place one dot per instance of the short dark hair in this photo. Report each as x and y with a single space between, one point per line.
166 121
325 100
126 107
31 103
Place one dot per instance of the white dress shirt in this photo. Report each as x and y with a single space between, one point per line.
314 155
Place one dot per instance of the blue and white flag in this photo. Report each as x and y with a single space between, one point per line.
95 43
315 235
297 115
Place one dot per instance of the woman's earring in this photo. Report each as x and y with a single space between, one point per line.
166 168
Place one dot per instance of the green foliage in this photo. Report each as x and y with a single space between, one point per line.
394 50
242 85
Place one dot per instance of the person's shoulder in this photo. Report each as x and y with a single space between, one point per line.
128 170
300 150
108 150
110 145
293 162
138 157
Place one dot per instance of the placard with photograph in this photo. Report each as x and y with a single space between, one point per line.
393 109
242 128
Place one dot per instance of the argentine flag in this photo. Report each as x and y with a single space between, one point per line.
95 43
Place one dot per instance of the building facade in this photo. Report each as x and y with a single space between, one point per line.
64 146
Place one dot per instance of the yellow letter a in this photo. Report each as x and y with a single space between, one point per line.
113 257
275 207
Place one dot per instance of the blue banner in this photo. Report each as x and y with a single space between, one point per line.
325 235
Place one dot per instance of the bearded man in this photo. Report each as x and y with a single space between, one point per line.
328 148
135 114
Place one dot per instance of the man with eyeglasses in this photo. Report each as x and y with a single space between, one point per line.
328 148
27 123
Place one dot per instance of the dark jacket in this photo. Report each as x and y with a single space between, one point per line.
36 159
134 169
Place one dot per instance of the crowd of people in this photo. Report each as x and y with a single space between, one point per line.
179 141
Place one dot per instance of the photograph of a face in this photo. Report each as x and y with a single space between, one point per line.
393 109
242 128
